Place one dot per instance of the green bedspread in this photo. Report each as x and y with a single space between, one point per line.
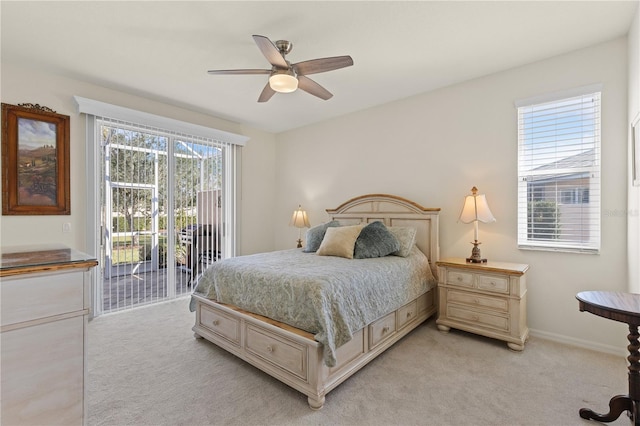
330 297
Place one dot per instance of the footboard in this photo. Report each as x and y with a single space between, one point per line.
292 355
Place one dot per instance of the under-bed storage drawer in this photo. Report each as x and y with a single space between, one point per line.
281 352
220 323
406 314
382 329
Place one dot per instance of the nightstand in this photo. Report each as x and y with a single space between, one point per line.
489 299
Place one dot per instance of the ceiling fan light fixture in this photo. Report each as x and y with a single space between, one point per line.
283 82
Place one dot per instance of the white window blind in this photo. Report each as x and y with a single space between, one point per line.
559 173
161 197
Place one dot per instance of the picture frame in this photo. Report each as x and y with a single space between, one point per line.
635 150
35 161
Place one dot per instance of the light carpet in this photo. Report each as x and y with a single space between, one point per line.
146 368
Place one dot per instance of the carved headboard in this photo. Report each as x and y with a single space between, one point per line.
394 211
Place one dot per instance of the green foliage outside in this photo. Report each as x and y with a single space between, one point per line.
138 248
139 224
544 220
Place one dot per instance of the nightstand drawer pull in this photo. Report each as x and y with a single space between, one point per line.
215 323
269 348
409 314
385 329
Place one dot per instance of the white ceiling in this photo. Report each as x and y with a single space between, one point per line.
162 50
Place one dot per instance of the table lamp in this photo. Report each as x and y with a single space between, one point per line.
476 209
299 220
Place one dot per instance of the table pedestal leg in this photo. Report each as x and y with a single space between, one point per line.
620 403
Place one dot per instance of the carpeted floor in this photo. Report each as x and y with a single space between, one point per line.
146 368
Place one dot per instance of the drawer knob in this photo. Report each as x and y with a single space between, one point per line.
409 314
493 284
269 348
476 301
475 318
215 322
385 329
459 278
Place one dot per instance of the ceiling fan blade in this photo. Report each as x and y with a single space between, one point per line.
266 94
270 51
315 66
310 86
239 71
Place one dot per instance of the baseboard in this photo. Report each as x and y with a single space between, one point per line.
585 344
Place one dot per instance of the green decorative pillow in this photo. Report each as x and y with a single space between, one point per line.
340 241
406 236
375 240
316 234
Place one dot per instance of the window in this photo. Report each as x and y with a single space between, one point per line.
559 172
161 200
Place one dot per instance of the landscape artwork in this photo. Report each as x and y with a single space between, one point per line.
35 161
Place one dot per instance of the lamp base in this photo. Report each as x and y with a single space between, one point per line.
299 243
475 254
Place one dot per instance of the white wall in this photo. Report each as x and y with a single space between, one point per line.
633 208
20 85
434 147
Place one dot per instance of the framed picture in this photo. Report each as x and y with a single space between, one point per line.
35 161
635 150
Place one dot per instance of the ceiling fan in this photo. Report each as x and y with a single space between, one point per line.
285 77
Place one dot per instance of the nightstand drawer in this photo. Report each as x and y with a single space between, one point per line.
478 318
458 278
474 299
493 283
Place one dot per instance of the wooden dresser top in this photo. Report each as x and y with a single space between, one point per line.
33 259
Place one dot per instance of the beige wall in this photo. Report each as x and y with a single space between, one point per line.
633 208
19 85
434 147
430 148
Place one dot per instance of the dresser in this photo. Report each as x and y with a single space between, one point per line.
43 320
489 299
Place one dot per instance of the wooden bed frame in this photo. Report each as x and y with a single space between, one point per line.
292 355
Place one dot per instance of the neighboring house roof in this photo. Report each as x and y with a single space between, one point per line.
581 160
584 159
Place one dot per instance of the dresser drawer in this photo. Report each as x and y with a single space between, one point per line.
382 329
29 297
475 299
43 374
406 314
478 318
220 323
283 353
460 278
493 283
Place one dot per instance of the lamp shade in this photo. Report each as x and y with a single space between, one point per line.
299 218
476 208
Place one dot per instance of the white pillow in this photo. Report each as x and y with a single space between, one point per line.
406 236
340 241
